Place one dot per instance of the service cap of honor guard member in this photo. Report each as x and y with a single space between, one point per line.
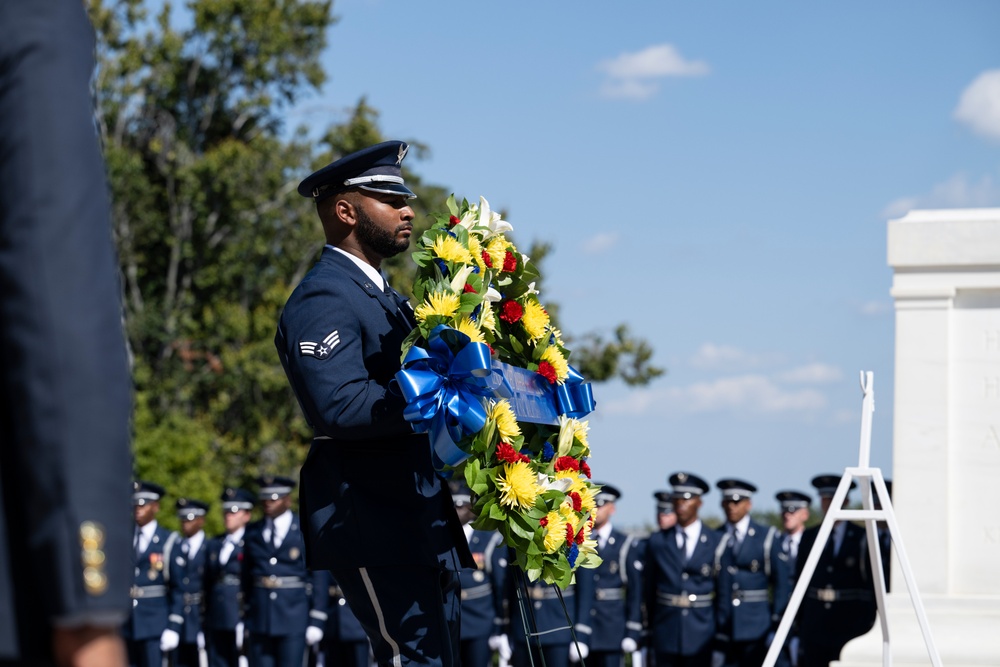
377 168
735 490
684 485
272 488
826 485
664 502
607 494
792 501
144 493
189 509
235 500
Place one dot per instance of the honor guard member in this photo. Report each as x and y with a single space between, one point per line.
223 620
187 572
339 339
665 515
754 580
839 604
680 581
153 546
285 614
616 607
551 622
482 606
794 507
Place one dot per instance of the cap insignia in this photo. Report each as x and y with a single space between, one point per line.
403 148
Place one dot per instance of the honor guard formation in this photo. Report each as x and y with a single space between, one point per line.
686 594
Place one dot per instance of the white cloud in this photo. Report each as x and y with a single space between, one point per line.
635 75
600 243
710 355
816 373
959 191
979 105
746 393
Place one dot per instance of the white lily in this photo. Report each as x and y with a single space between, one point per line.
492 295
547 483
492 220
461 277
531 285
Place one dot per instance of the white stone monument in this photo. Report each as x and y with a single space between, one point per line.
946 439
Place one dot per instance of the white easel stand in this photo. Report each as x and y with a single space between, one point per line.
866 476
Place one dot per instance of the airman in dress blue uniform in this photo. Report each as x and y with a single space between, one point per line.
794 515
681 582
754 580
616 606
285 613
223 620
345 643
153 546
65 391
339 339
187 571
839 604
482 596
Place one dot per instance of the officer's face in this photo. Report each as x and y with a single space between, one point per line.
604 513
735 510
795 520
686 510
666 520
276 507
235 520
384 223
146 512
190 527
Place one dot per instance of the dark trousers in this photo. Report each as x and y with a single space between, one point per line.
703 659
277 650
818 655
746 654
605 659
221 647
554 655
144 652
476 652
410 613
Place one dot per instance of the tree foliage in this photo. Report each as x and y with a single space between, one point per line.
211 233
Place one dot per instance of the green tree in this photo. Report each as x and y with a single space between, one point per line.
212 235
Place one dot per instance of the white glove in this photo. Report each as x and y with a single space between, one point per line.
629 645
637 657
201 641
501 644
313 635
718 658
239 636
169 640
578 651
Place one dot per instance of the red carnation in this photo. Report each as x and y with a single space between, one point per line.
577 501
585 469
452 221
468 288
579 537
545 369
570 537
510 312
566 463
509 262
507 454
487 260
544 521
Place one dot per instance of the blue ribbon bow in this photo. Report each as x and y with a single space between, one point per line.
444 385
574 397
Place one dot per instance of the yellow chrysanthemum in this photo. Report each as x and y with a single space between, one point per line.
555 536
487 319
450 250
506 421
442 303
558 361
497 250
535 320
470 329
555 333
476 250
518 486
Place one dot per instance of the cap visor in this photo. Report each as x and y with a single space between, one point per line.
389 189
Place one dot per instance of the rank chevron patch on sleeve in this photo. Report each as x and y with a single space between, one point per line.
320 350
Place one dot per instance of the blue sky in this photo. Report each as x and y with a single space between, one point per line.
716 175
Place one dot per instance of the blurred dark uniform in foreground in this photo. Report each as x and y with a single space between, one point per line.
65 399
